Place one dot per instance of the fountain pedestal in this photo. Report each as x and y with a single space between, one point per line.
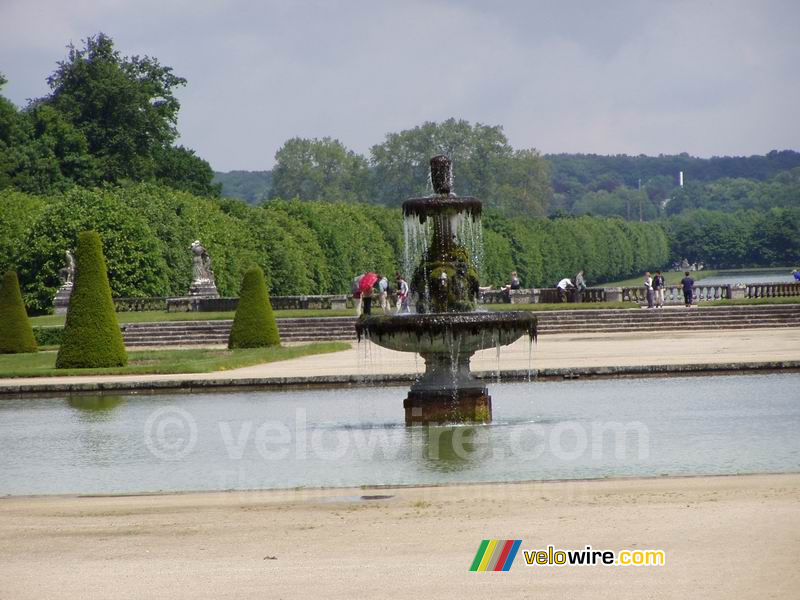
447 392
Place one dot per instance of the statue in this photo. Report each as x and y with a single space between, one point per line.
67 277
202 276
201 264
67 274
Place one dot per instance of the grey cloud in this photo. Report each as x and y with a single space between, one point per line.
607 77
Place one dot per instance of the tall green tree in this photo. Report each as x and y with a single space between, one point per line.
319 169
124 106
485 165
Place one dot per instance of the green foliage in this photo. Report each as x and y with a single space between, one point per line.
251 186
744 238
576 176
48 336
181 169
319 170
108 118
18 213
515 182
125 107
134 267
16 334
91 337
254 325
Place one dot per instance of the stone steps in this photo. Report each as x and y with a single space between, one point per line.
174 333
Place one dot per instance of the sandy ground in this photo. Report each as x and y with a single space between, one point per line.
551 351
723 537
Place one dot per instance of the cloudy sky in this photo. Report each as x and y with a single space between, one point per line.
704 77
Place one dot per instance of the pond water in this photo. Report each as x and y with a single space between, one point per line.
356 436
749 276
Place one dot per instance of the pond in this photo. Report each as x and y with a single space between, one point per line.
749 276
356 436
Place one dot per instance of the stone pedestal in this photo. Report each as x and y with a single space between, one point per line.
206 289
614 294
447 392
61 300
432 407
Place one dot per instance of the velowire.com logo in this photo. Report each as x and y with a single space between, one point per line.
495 555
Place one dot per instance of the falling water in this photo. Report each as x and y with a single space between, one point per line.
418 234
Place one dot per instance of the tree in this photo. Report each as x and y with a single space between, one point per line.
16 334
92 337
124 106
181 169
254 325
485 166
319 169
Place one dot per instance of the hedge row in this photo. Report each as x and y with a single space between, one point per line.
302 247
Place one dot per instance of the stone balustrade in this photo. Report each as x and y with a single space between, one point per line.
139 304
673 295
771 290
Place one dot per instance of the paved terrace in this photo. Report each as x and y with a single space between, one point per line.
559 355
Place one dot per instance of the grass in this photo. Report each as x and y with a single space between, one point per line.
670 277
199 360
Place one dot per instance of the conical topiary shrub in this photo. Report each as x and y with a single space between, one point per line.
91 334
16 334
254 325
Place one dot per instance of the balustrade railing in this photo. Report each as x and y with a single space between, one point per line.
140 304
771 290
673 294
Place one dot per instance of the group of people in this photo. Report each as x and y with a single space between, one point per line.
367 285
654 289
566 284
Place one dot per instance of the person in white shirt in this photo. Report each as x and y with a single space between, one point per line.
402 294
563 286
648 288
383 293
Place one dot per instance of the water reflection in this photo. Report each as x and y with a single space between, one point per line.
453 449
95 408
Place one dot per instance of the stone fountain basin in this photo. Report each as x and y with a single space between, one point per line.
447 332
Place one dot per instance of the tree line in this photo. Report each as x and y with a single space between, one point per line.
309 247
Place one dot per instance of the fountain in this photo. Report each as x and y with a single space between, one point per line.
443 232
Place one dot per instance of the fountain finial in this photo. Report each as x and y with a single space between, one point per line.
441 174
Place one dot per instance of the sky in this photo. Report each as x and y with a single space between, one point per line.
706 77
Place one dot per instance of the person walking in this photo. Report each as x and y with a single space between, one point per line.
383 293
402 294
356 288
658 289
688 289
648 289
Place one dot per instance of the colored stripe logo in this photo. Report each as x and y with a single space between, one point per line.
495 555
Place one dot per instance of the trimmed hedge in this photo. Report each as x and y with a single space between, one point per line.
254 325
48 336
92 337
16 334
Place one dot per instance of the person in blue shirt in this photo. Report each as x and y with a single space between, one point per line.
796 274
